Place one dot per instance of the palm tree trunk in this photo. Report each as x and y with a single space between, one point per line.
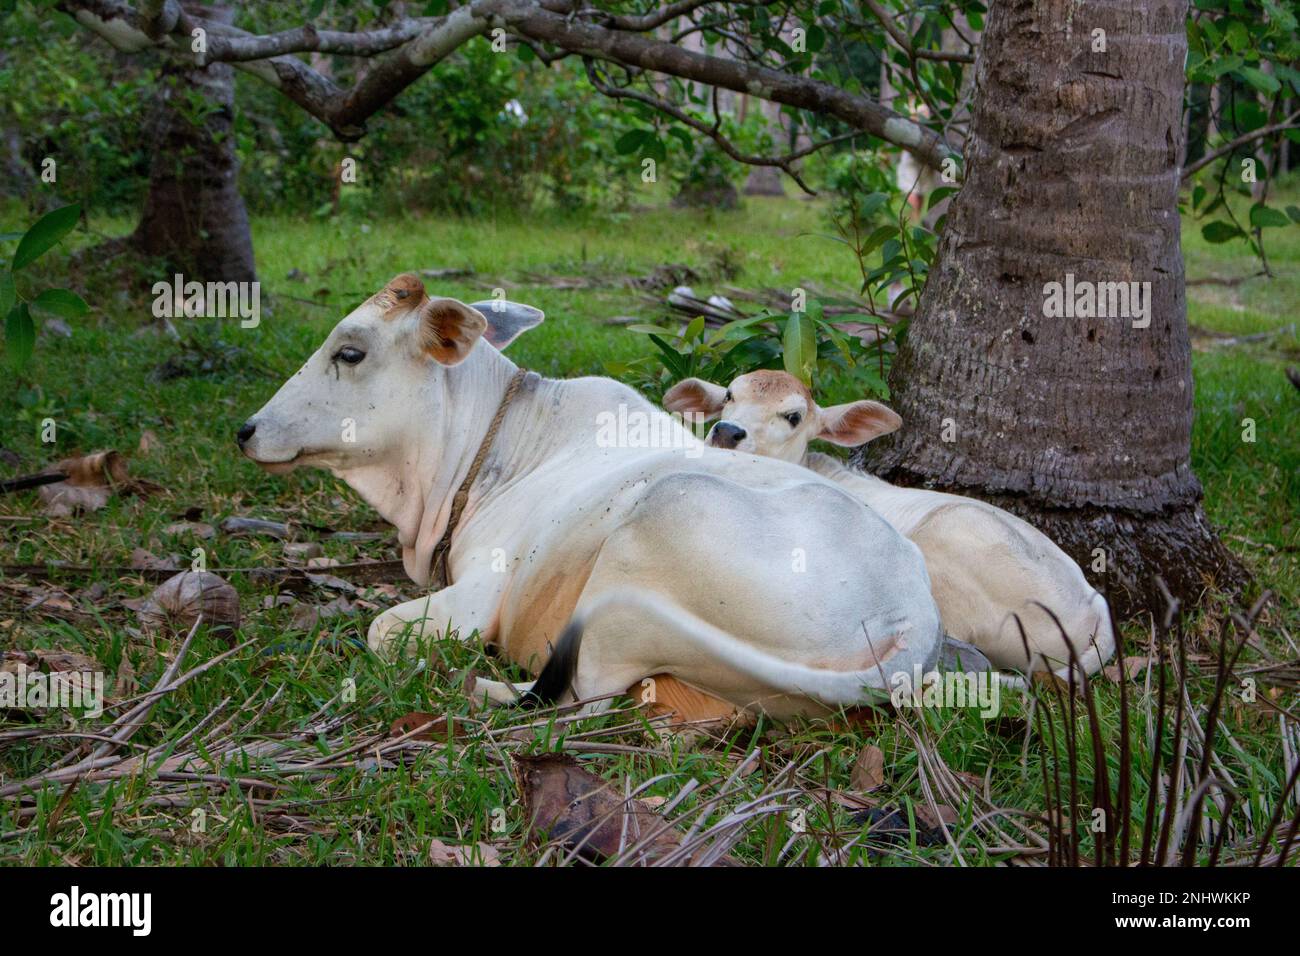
1080 424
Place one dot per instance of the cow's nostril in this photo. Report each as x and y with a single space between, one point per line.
245 433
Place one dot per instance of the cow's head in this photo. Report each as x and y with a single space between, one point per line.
352 402
773 414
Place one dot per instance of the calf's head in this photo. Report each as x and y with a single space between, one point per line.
773 414
353 400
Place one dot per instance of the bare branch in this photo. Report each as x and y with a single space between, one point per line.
784 163
230 48
905 44
1291 122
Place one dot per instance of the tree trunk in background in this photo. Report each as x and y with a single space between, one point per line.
194 217
1080 425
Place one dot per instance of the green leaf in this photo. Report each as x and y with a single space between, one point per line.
1259 79
630 141
1237 35
7 292
1294 213
799 347
62 302
1220 231
20 335
1261 217
47 232
939 195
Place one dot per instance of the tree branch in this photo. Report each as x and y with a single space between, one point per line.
899 37
714 132
1291 122
553 22
531 19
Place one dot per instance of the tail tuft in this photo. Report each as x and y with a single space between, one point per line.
557 676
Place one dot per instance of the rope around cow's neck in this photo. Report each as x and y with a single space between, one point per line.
440 573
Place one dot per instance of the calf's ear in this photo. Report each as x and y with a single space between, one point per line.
449 328
506 321
856 423
694 395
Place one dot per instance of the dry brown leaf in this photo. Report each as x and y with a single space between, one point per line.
191 529
869 769
49 661
1133 666
566 804
148 442
91 481
463 854
142 559
940 815
437 729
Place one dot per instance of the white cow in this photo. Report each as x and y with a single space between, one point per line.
748 579
986 565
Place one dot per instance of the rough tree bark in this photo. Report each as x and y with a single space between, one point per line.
194 217
1080 425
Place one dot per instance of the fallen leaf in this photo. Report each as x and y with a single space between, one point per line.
940 815
142 560
90 482
436 730
302 550
869 769
566 804
148 442
187 529
463 854
1133 666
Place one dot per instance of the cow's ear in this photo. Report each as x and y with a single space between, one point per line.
694 395
449 329
506 321
857 422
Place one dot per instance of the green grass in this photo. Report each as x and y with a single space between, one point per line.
100 387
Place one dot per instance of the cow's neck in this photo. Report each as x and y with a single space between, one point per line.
413 490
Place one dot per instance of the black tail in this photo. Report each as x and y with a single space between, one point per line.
557 676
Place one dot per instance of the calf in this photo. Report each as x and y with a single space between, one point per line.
986 566
748 579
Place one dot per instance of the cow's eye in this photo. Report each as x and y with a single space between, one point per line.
727 399
794 418
349 355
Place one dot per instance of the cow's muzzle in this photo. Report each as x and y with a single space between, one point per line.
725 435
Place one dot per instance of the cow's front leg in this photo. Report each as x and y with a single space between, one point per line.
463 609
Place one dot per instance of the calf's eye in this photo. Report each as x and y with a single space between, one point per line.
349 355
794 418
